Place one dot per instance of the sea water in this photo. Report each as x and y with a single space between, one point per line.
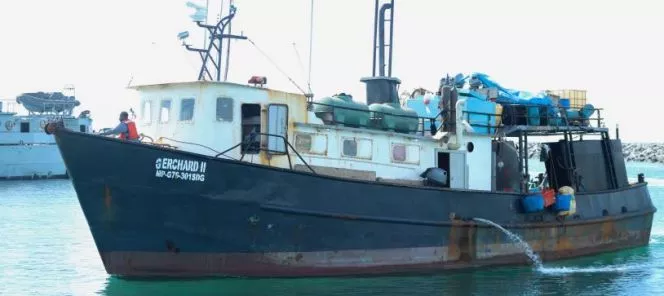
46 249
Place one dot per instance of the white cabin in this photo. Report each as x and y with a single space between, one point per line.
210 117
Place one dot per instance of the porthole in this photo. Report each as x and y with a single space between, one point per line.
470 147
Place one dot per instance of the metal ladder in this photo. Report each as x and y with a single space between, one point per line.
607 150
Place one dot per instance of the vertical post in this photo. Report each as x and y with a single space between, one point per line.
381 41
205 36
389 67
218 65
228 43
311 42
521 160
373 70
525 158
617 132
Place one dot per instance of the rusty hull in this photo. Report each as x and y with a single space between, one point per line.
471 246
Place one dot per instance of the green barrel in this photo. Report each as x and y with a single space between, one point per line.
340 109
390 116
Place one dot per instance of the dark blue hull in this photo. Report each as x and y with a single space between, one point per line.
155 211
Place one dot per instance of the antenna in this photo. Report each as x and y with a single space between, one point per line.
212 53
205 35
228 41
311 44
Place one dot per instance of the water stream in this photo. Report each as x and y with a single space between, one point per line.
537 262
524 246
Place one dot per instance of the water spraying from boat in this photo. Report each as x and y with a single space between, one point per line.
537 262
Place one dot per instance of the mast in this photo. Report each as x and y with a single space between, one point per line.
211 55
228 42
382 88
380 21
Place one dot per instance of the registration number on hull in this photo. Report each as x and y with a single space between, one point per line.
180 169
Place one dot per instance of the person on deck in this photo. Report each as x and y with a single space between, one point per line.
126 129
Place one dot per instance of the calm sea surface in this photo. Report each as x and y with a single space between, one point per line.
46 249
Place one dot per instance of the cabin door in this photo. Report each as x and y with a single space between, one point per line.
455 165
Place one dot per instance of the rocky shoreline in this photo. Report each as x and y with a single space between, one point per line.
636 152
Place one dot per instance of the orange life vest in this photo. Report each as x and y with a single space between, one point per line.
132 133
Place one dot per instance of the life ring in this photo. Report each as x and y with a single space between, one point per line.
9 125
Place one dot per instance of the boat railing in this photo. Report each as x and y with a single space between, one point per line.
422 129
244 145
542 118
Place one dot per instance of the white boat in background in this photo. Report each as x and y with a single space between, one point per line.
26 152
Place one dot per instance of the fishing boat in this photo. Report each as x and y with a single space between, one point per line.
25 151
237 179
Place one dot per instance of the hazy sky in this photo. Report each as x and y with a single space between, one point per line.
613 49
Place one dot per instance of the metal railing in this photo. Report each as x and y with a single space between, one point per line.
245 144
376 116
511 115
547 116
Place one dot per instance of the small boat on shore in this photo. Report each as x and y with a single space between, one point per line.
243 180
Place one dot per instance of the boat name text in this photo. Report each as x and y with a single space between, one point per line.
181 169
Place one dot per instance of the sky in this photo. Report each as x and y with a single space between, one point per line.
613 49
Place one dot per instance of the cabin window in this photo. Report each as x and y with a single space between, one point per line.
357 148
146 112
349 148
187 109
399 153
277 125
224 109
165 111
25 127
303 142
82 128
311 143
405 153
251 123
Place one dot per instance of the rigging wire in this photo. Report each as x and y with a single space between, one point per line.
276 66
299 59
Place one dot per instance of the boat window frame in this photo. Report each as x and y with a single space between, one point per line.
343 147
24 123
271 139
231 108
161 107
146 119
193 109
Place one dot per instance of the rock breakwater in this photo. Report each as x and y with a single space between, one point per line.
637 152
